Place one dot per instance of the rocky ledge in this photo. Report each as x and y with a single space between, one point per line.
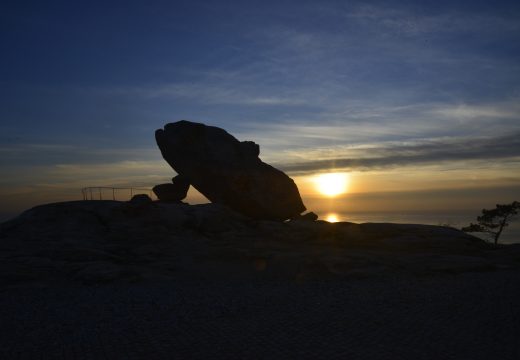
110 241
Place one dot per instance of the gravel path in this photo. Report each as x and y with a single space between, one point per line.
467 316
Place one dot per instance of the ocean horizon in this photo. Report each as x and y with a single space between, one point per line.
456 220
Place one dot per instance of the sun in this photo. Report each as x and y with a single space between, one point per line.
332 184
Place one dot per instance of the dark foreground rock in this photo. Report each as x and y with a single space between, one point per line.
228 171
111 241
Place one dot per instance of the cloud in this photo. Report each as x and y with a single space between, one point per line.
506 110
40 154
351 63
409 21
391 155
363 124
232 90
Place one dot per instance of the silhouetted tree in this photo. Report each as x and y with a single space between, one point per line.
495 220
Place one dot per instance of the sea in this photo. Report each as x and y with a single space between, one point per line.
510 235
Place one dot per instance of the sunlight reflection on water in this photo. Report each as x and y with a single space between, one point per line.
332 217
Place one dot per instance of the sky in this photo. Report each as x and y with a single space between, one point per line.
418 101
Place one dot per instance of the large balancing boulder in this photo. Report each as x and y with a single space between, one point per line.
228 171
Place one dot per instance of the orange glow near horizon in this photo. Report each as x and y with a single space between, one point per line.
332 184
332 218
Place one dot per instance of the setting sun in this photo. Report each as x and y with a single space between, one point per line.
332 184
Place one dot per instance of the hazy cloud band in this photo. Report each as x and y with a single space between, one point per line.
504 147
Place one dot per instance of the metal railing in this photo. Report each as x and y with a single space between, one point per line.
113 193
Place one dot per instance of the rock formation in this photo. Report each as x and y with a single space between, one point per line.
113 241
140 199
173 192
228 171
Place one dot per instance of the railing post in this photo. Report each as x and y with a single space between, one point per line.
113 194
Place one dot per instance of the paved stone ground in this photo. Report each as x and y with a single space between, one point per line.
465 316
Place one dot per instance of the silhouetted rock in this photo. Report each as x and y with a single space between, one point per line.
176 191
228 171
140 199
310 216
107 241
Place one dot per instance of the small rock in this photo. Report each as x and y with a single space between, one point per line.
310 216
174 192
140 199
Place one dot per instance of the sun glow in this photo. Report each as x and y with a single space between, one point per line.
332 218
332 184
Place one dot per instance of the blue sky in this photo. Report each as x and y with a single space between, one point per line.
364 85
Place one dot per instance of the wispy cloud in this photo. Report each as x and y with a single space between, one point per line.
403 20
504 110
208 93
391 155
28 154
